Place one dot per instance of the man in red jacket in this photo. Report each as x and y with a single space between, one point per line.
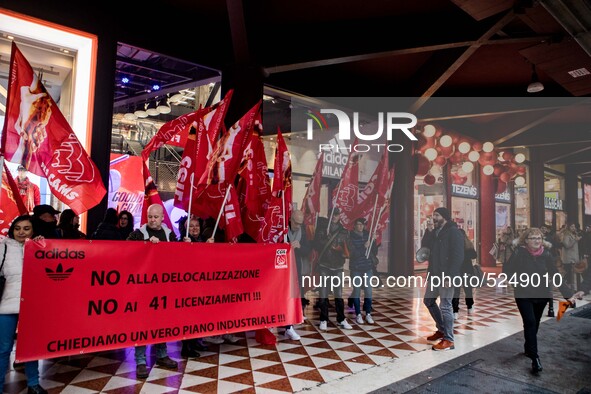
28 190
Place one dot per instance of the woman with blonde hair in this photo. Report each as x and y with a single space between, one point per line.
531 271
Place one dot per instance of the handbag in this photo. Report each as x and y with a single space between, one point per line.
2 277
494 251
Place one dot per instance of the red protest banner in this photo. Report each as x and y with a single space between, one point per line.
94 296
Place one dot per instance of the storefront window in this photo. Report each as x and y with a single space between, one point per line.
554 214
503 211
521 208
429 195
464 202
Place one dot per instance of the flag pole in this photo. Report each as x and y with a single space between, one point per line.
284 217
333 207
221 210
371 225
190 204
1 169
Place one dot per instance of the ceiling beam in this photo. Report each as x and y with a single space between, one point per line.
551 153
576 156
508 17
435 85
580 169
238 31
399 52
557 142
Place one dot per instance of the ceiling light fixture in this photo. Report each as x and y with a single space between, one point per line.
535 85
151 109
129 115
176 98
163 107
140 111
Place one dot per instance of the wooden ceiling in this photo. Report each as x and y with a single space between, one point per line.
427 48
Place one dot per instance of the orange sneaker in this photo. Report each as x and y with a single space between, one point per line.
444 344
435 337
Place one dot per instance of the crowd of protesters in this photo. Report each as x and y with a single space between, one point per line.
529 251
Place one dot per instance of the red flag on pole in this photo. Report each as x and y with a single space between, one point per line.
277 216
198 149
165 134
383 214
37 136
254 186
346 195
221 171
311 202
12 205
183 122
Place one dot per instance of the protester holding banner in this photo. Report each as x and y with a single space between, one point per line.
154 231
195 234
192 346
360 265
301 246
12 252
107 229
331 243
125 224
69 224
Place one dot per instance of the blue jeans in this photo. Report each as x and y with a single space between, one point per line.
7 331
367 291
442 314
140 352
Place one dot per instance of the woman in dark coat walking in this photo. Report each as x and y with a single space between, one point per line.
531 271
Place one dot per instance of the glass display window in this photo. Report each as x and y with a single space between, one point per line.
465 214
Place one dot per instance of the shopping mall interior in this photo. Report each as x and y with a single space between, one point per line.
500 93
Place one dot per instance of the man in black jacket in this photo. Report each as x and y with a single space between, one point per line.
445 262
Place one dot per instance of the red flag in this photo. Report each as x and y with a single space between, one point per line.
254 186
222 169
346 195
223 166
277 216
187 169
151 196
199 148
182 124
37 135
166 133
383 215
311 202
12 205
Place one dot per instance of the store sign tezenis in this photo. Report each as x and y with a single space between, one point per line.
554 204
464 191
503 197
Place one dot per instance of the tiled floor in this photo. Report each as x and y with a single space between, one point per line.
397 339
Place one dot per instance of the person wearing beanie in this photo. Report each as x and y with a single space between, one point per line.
444 213
445 260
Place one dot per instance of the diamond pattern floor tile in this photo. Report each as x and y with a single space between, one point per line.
401 325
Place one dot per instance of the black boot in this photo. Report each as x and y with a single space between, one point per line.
187 351
36 390
536 365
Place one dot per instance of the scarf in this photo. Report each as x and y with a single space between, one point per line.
535 253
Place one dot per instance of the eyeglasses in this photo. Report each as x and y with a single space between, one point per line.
535 238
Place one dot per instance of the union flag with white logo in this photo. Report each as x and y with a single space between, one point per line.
37 136
274 228
346 195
